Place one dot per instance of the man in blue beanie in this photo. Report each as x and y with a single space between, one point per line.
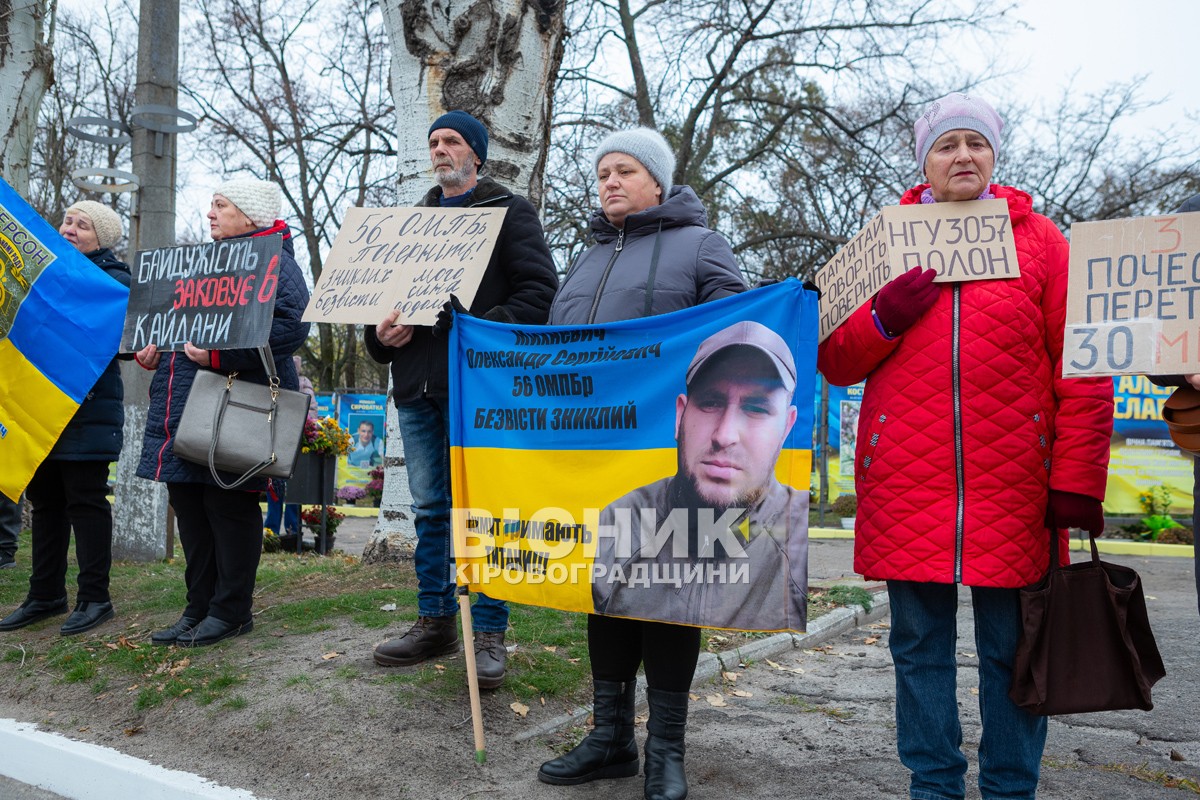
517 287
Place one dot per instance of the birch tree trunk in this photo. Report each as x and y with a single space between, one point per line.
497 60
26 71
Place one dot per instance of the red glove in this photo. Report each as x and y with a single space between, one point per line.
1071 510
899 304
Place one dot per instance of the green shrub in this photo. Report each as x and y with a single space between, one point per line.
846 505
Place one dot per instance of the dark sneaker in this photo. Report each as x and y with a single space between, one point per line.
170 635
211 630
427 638
7 561
490 655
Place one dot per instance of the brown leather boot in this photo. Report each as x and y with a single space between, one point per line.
490 655
428 637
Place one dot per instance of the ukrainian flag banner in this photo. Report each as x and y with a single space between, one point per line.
60 325
654 468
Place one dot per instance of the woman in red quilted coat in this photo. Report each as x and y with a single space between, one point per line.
971 449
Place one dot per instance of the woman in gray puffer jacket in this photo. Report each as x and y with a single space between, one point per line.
645 261
654 254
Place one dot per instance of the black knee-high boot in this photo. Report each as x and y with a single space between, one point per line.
609 751
665 779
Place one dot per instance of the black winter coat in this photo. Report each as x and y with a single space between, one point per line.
173 379
94 433
517 287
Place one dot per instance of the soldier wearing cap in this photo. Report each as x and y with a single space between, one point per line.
727 514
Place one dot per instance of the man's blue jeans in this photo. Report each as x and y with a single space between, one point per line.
923 642
425 430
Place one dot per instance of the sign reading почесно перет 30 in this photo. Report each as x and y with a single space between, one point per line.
218 296
1132 304
964 241
411 259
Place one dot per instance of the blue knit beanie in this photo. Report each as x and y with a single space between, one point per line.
471 129
647 146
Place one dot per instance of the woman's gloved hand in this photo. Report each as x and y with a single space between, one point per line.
1071 510
899 304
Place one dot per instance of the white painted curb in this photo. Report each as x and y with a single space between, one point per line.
83 771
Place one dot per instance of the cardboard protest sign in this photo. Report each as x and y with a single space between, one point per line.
586 476
412 259
218 296
1132 297
965 241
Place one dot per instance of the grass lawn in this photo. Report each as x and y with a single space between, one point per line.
294 597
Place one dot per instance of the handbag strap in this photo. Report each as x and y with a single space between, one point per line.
268 360
1054 562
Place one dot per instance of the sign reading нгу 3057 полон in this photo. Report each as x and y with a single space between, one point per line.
1132 297
966 241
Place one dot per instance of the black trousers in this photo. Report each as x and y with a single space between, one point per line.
68 495
669 652
221 533
10 525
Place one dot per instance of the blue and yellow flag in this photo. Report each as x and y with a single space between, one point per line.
655 468
60 325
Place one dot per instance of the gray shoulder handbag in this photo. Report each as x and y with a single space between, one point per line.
242 427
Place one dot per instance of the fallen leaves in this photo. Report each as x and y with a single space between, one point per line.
781 668
521 709
122 643
332 654
716 700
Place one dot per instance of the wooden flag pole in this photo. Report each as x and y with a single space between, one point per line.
464 605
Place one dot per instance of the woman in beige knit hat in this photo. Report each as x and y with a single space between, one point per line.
69 490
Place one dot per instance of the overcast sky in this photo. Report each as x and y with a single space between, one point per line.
1092 42
1102 41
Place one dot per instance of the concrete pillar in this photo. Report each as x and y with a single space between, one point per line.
141 531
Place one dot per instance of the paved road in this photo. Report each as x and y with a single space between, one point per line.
12 790
819 722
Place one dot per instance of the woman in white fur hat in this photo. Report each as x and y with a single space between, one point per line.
221 529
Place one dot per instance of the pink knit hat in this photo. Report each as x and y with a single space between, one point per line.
956 111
